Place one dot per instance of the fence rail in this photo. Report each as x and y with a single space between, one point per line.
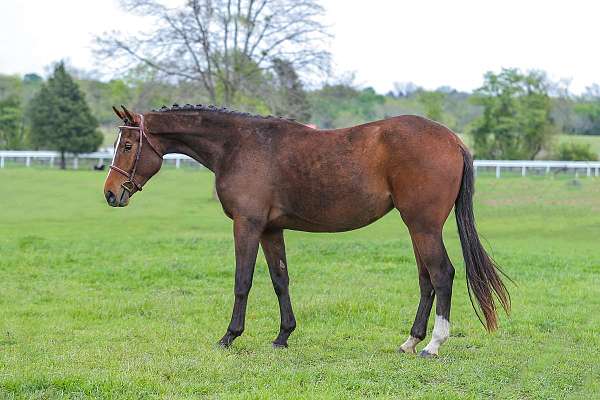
591 168
52 156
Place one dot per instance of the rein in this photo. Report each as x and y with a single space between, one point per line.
130 184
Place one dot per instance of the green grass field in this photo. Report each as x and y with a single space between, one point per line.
97 302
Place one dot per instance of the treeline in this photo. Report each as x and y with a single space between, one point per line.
513 114
47 115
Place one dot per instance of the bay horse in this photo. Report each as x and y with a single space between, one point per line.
272 174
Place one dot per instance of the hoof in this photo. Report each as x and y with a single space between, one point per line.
426 354
403 351
226 341
280 345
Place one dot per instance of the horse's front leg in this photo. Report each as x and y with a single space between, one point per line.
246 232
274 249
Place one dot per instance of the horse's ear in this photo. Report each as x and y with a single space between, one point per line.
121 116
127 114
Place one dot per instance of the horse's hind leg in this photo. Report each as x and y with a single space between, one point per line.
424 215
419 327
274 249
424 196
432 256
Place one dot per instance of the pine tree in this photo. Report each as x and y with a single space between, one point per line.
61 119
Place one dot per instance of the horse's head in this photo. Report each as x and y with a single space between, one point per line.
136 159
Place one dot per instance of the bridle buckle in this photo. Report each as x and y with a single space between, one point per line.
130 186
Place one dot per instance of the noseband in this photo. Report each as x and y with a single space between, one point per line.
130 184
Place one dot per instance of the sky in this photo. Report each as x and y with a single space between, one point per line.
429 42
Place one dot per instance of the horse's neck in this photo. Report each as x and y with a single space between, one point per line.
207 149
202 137
206 141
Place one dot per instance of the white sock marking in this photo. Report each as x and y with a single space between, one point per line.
410 344
441 332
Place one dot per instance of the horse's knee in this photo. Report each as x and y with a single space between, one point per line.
243 291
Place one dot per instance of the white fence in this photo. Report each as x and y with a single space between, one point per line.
27 157
588 167
591 168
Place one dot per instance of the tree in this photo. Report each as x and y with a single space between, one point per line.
221 44
587 111
290 98
15 93
516 122
433 104
32 78
12 129
101 96
10 85
342 104
61 118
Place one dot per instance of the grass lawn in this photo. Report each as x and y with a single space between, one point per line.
129 303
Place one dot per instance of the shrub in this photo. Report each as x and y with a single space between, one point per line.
571 151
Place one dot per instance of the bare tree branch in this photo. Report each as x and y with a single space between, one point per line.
223 44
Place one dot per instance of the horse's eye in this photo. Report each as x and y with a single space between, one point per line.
128 146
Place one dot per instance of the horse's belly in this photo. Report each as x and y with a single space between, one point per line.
324 214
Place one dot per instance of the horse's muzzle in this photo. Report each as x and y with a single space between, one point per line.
113 201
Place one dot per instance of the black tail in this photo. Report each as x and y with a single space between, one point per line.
482 272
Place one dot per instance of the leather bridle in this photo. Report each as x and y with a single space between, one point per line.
130 184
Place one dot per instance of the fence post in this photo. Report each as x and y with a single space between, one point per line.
52 162
475 171
2 163
177 162
28 161
547 169
589 171
596 172
497 171
523 170
75 163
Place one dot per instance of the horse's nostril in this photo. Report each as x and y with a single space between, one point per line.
111 198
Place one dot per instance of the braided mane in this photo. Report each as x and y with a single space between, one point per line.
219 110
